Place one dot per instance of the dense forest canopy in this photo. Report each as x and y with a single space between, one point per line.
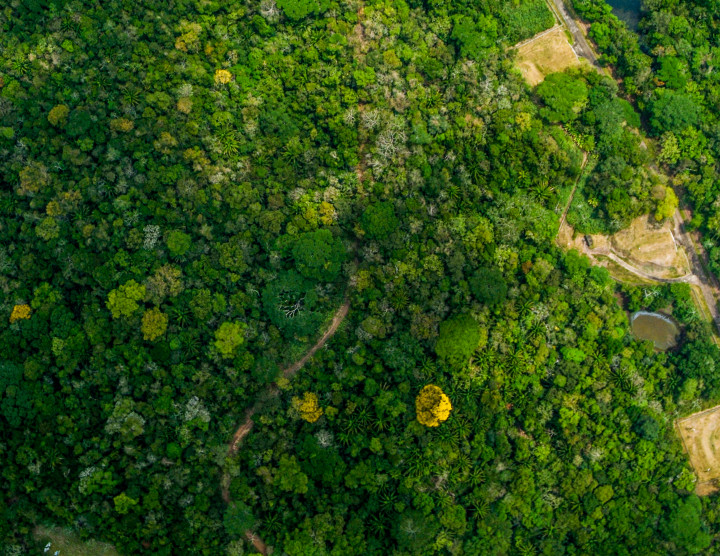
190 191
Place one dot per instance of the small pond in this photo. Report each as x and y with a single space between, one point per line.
659 329
627 11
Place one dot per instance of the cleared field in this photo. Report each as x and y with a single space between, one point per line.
651 248
644 244
69 544
700 434
547 54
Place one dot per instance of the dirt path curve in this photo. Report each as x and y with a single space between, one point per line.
248 423
688 278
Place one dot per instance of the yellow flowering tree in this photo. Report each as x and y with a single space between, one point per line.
222 77
20 312
308 407
432 406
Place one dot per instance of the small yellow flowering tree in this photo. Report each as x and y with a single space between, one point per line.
222 77
308 407
432 406
20 312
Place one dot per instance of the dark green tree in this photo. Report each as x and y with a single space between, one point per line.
488 286
318 255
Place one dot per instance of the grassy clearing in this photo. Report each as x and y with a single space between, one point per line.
548 54
69 544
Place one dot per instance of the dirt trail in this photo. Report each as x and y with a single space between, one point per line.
248 424
337 320
572 193
360 47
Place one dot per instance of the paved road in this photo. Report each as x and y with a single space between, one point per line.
580 44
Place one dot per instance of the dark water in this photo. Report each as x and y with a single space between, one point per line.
627 10
655 327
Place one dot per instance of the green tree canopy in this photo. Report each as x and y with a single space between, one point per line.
292 304
379 220
459 337
488 286
475 36
299 9
673 111
564 96
238 519
123 301
319 255
229 337
178 242
684 527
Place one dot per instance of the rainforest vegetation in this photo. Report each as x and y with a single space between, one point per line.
190 189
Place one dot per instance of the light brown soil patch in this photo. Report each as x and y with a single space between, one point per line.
700 434
644 245
651 247
547 54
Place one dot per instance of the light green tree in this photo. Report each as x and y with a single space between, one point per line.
154 324
123 301
123 503
178 243
459 337
667 205
229 337
58 115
